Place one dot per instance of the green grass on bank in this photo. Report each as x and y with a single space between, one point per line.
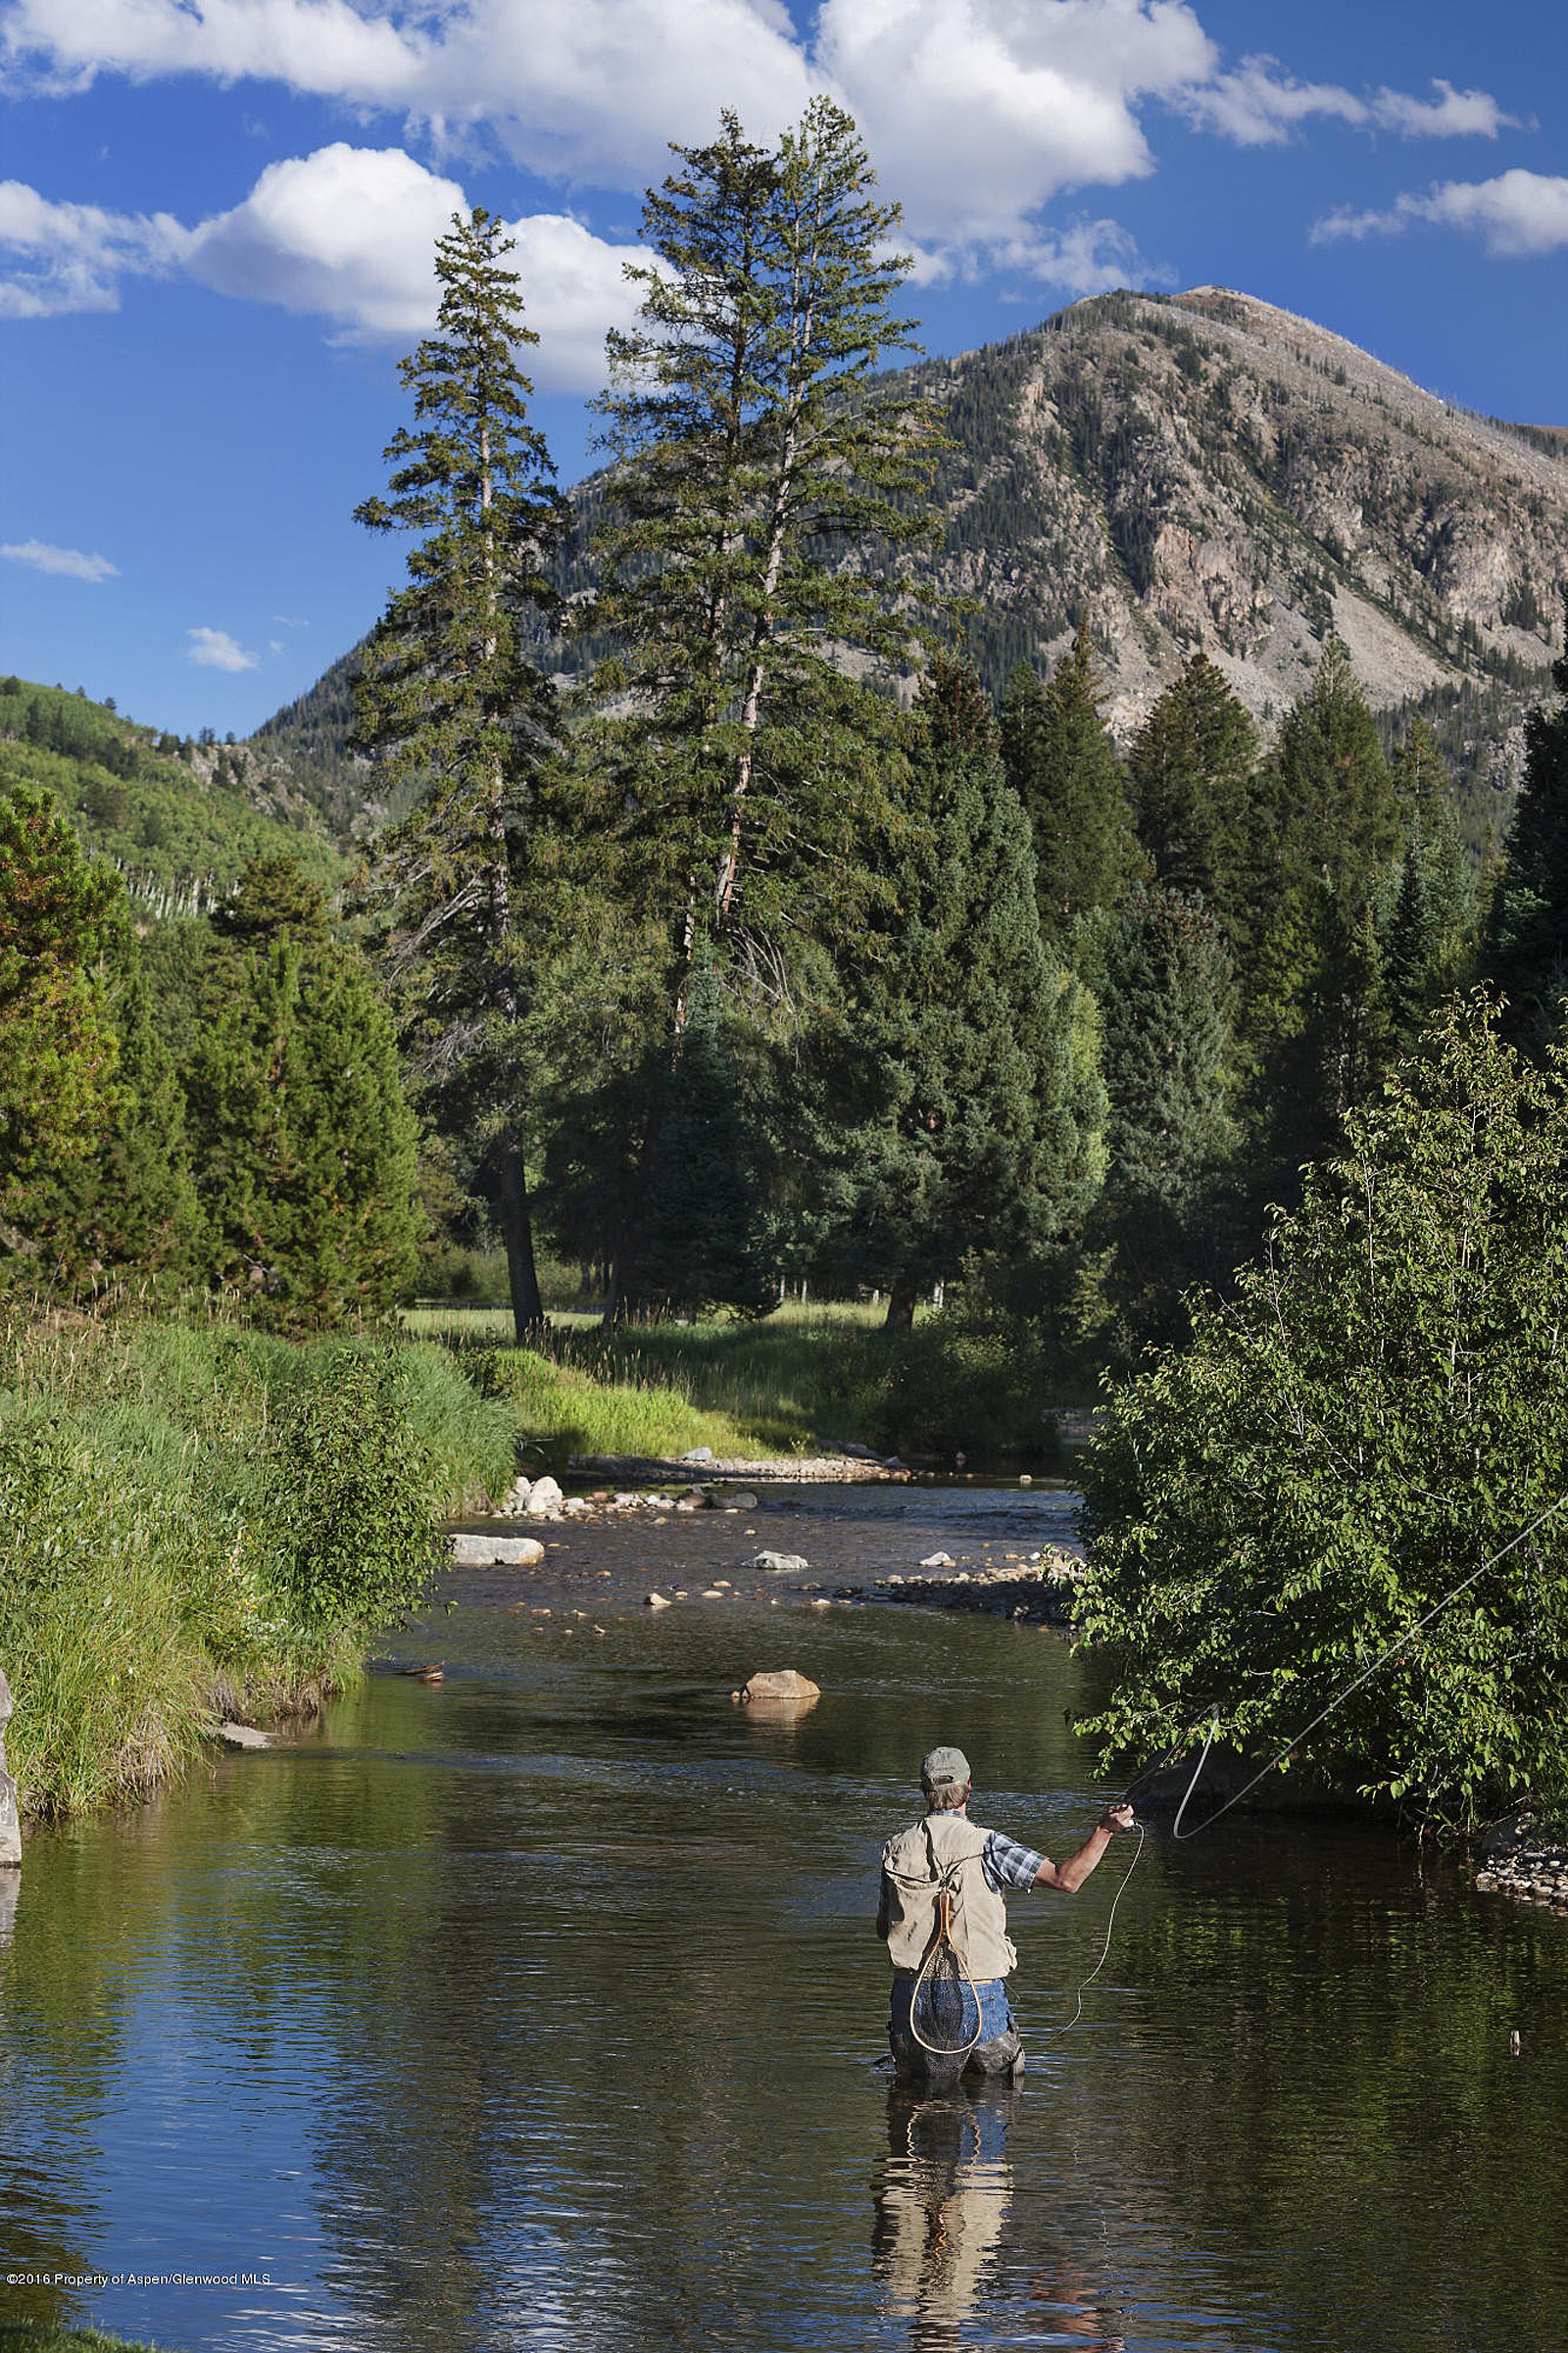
772 1387
798 1379
196 1519
47 2338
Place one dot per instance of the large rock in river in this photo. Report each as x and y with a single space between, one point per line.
780 1687
496 1551
545 1499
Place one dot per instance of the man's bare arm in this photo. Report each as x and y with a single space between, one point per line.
1067 1878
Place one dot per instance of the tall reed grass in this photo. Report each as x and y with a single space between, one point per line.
196 1518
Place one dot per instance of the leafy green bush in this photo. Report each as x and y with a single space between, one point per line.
1383 1408
197 1519
354 1539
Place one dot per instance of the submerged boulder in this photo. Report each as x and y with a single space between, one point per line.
779 1688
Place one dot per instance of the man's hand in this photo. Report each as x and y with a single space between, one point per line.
1116 1817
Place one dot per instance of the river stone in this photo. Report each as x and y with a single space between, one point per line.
496 1551
699 1454
779 1564
655 1601
242 1735
741 1498
779 1686
10 1816
545 1498
516 1500
937 1560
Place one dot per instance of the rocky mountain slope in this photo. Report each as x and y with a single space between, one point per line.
1203 470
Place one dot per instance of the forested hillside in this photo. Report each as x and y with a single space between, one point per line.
179 818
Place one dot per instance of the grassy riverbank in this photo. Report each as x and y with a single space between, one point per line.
198 1520
798 1378
47 2339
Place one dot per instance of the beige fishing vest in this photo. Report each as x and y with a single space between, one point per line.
944 1850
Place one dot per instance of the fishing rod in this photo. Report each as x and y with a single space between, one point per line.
1212 1714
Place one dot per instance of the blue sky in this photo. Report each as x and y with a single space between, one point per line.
217 219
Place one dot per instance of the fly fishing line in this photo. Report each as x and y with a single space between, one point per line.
1338 1700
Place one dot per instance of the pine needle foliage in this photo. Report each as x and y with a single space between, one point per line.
456 711
1527 944
983 1143
63 926
752 443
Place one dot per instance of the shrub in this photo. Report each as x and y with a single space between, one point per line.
1384 1407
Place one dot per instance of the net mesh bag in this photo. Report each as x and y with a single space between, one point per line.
944 2008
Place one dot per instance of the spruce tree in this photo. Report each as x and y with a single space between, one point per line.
460 716
1526 948
1164 1217
1427 933
1325 802
64 930
734 767
752 445
1326 826
1065 768
985 1138
128 1207
1189 774
304 1149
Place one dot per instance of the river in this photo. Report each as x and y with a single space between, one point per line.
541 2008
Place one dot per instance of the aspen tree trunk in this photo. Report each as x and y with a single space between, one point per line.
516 1223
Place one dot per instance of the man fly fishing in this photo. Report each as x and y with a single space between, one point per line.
944 1917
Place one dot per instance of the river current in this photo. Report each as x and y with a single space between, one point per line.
541 2008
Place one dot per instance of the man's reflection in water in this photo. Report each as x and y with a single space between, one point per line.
942 2194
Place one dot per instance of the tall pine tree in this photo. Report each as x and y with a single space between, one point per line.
735 765
1065 768
459 714
1526 948
1189 774
64 929
1165 1218
985 1139
304 1148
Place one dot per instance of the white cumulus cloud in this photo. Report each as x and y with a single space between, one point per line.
589 91
1517 215
348 234
64 563
56 258
215 649
978 112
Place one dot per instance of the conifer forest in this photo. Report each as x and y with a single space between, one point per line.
703 906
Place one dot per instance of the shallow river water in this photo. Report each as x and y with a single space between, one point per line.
541 2008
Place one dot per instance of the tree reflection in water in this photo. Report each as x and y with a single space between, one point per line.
942 2194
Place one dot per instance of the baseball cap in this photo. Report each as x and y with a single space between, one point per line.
939 1766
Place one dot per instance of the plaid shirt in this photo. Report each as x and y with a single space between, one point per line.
1005 1864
